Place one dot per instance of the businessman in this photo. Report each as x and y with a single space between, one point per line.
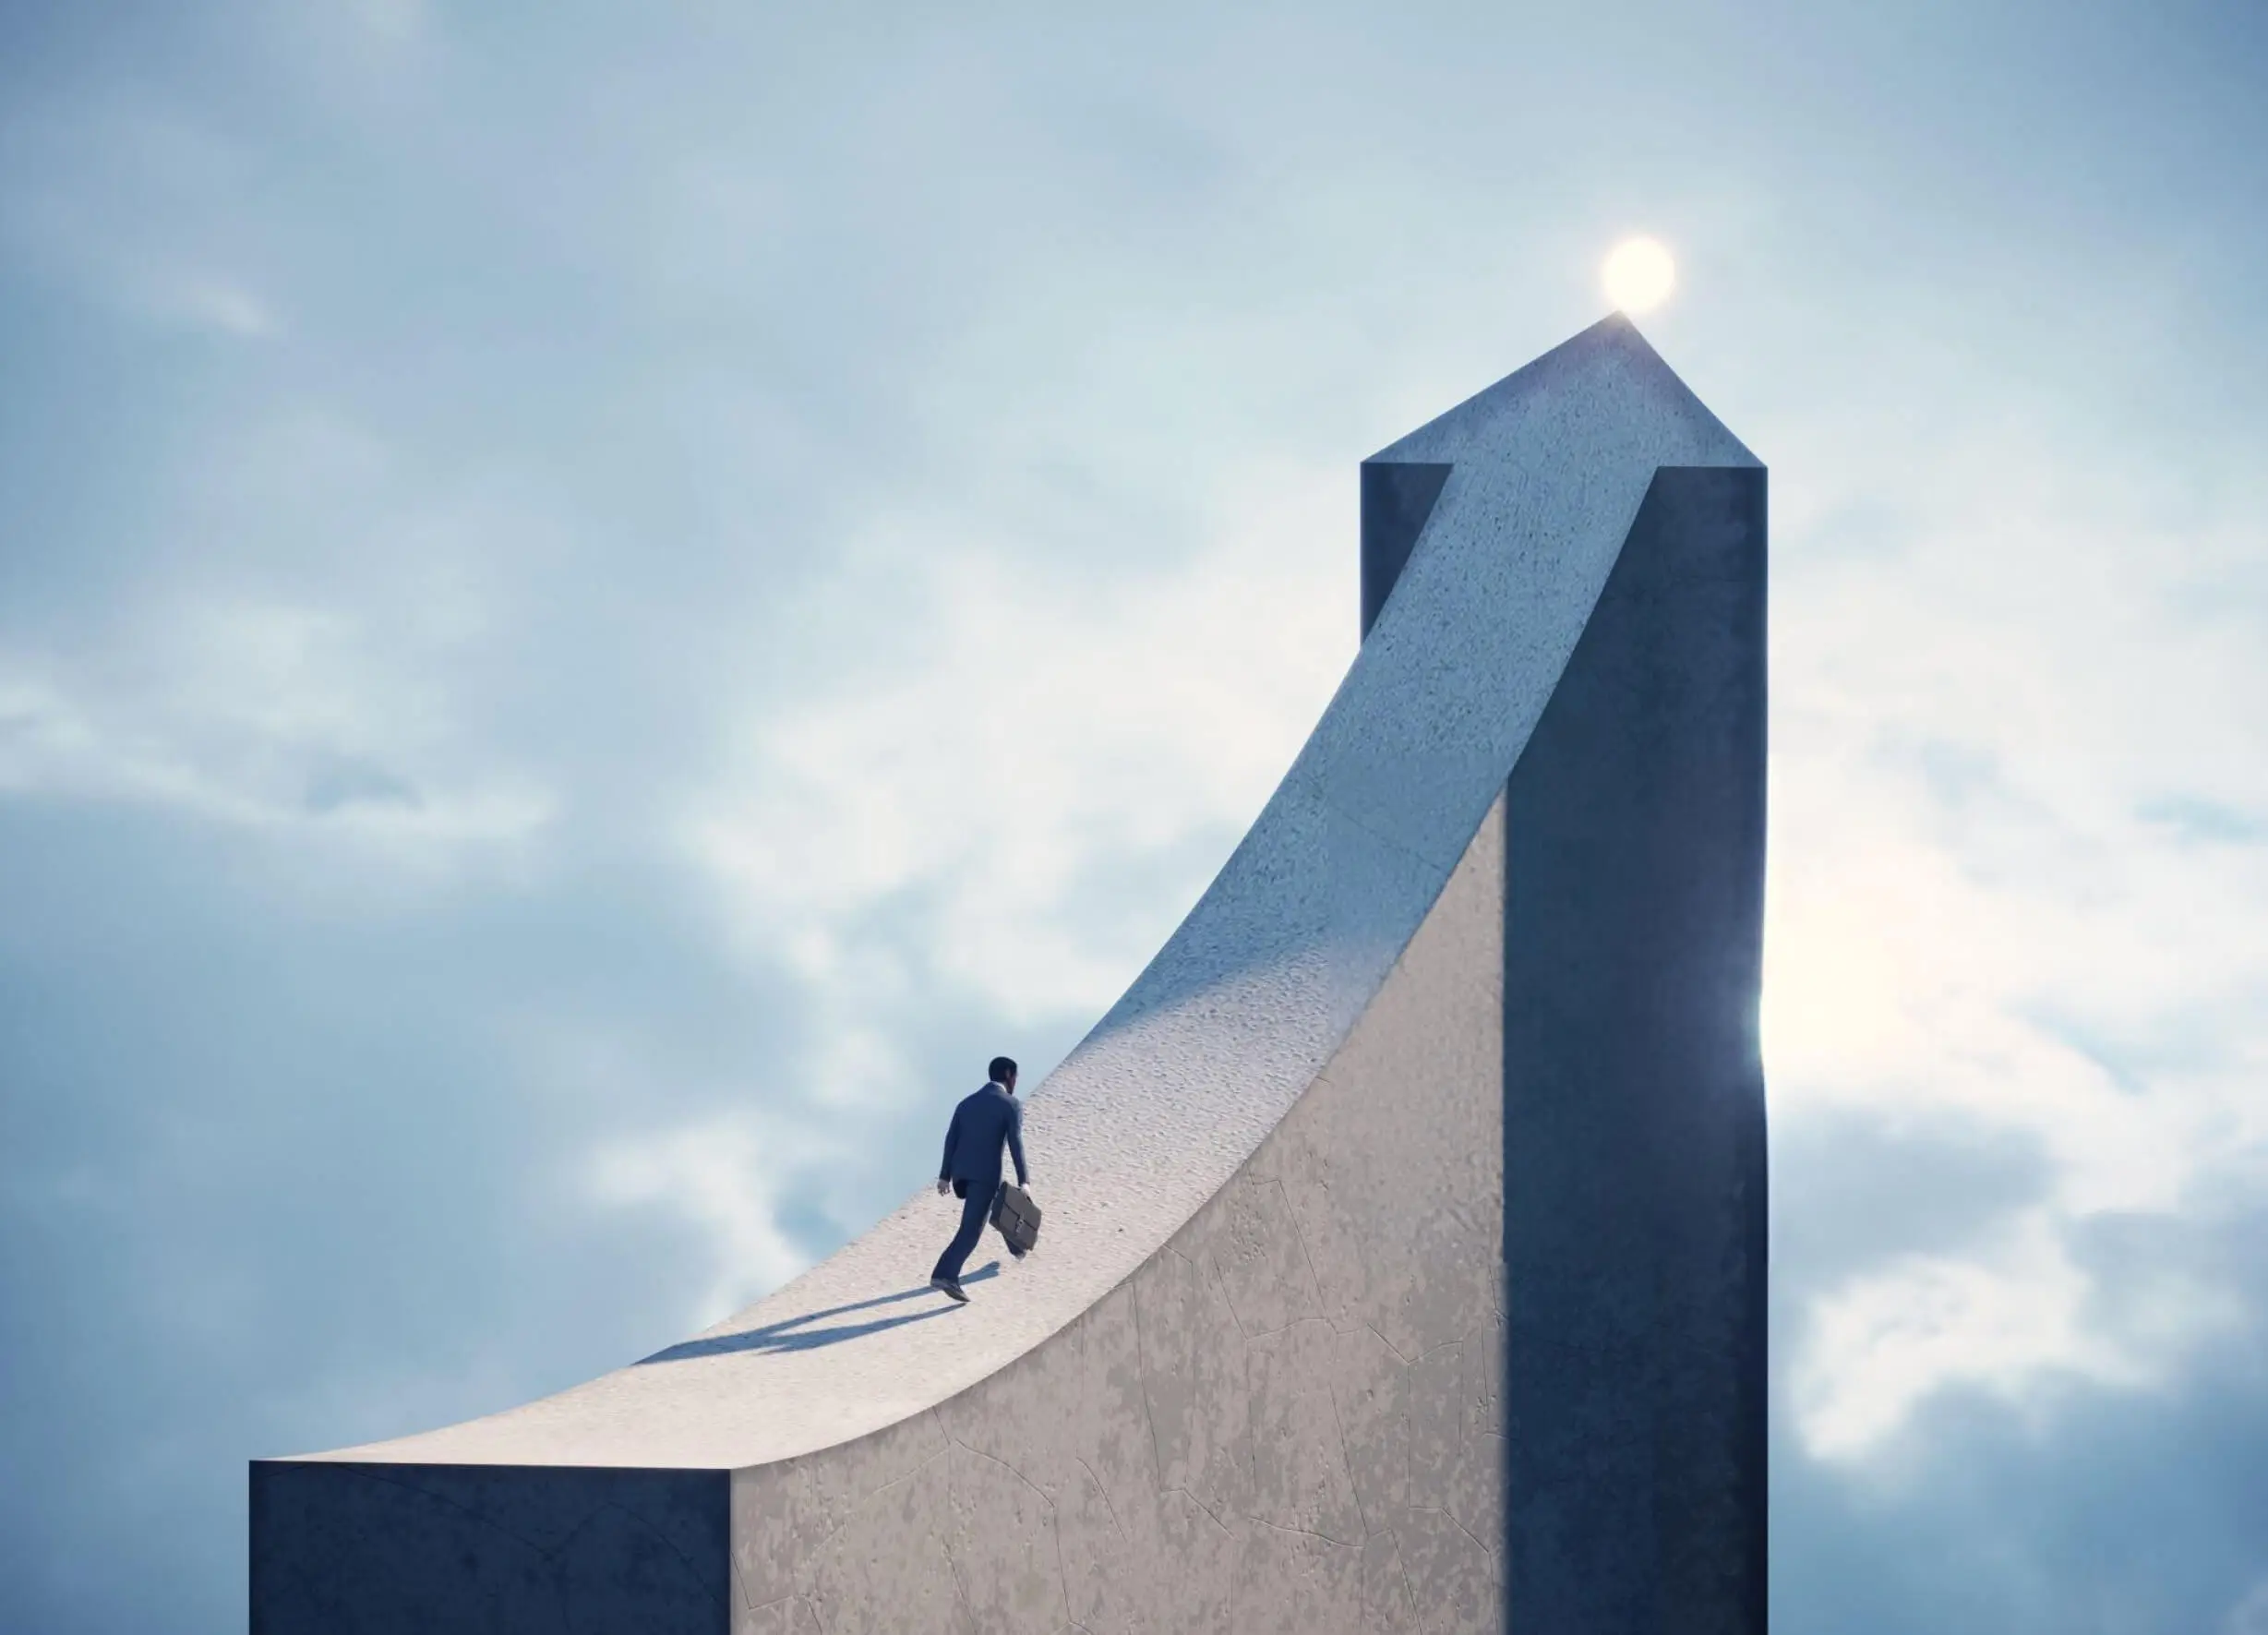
981 1123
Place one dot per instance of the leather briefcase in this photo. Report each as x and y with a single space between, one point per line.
1016 1217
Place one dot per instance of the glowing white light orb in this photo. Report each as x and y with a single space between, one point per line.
1639 275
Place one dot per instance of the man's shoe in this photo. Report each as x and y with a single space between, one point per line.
952 1287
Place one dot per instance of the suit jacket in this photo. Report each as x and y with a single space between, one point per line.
980 1124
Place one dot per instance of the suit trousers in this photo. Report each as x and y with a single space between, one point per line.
975 1209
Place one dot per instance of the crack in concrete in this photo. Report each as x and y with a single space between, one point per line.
851 1511
1346 1453
994 1458
1302 1532
368 1474
1141 1370
1405 1362
1105 1491
1062 1580
1401 1566
1228 1532
1212 1265
1443 1510
818 1606
1299 1235
691 1571
1287 1327
790 1601
960 1589
1243 1343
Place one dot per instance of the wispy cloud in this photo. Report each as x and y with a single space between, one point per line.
264 716
1025 782
393 20
2249 1616
139 205
724 1177
218 304
1983 923
2014 1317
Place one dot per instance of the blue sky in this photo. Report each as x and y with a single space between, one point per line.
595 603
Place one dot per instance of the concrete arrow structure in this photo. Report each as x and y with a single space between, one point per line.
1404 1257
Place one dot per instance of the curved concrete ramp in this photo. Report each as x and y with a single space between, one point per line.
1257 1378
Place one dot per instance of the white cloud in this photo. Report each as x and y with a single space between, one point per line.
218 304
395 21
262 714
1983 919
723 1176
2249 1616
138 206
2013 1318
1044 736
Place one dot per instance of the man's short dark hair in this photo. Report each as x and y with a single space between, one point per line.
1002 1070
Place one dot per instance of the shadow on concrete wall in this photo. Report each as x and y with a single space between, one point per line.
792 1336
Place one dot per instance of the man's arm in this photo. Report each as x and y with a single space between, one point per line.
952 1132
1015 1141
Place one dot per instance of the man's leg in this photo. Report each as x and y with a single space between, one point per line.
975 1207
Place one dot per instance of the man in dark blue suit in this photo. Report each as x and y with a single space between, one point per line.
971 1167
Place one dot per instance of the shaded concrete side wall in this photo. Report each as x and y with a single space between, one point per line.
1287 1419
1398 497
1633 1114
379 1549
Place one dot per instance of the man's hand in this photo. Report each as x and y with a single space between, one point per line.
943 1186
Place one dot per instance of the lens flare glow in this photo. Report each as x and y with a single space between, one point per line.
1638 275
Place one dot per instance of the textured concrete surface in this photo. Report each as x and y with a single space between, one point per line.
373 1549
1634 1093
1288 1419
1252 1378
1398 501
